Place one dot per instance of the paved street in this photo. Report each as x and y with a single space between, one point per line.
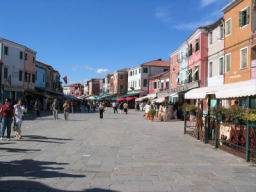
117 153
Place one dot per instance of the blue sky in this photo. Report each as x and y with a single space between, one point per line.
84 39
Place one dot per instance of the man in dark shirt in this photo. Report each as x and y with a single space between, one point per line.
7 114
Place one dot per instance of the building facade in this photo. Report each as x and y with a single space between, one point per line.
197 57
239 26
119 82
94 87
40 75
159 83
138 77
216 53
13 61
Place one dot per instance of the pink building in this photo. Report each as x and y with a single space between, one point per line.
197 56
159 82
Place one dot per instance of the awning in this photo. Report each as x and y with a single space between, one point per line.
159 100
200 93
232 90
149 96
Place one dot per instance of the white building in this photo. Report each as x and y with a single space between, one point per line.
12 59
66 90
138 77
216 54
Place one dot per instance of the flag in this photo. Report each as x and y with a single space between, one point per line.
65 79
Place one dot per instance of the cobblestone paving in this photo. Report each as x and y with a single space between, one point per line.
118 153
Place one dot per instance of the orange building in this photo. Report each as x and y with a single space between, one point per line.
238 18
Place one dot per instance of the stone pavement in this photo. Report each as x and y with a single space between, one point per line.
118 153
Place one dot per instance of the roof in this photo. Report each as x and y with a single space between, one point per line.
157 63
231 5
25 47
163 74
215 24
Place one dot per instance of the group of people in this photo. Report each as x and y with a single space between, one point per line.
164 111
11 115
120 106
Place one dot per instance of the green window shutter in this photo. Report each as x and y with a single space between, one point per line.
240 19
248 15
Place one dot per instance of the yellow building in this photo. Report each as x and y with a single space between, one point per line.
239 28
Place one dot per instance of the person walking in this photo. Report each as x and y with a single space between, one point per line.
72 107
19 110
55 109
101 110
125 106
7 114
114 106
66 110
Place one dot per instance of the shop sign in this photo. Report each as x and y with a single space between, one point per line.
185 87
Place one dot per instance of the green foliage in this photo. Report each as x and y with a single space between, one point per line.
189 107
152 112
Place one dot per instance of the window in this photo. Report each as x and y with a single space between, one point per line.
33 78
167 85
33 59
6 50
155 85
244 17
190 75
145 70
196 72
145 82
210 69
121 76
139 83
221 66
210 38
21 55
26 77
221 32
26 56
135 83
243 58
190 51
43 78
121 87
20 75
228 27
130 73
197 45
5 73
29 77
228 62
162 85
136 72
166 70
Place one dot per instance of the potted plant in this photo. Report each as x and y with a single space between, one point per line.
249 116
152 114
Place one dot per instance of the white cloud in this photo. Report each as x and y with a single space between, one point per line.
205 3
192 25
163 14
101 70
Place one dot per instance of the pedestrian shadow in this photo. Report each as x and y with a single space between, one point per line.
33 169
43 139
17 150
22 185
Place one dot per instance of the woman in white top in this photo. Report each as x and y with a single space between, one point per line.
19 110
147 109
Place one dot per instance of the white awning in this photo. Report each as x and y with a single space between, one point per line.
200 93
159 100
233 90
149 96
